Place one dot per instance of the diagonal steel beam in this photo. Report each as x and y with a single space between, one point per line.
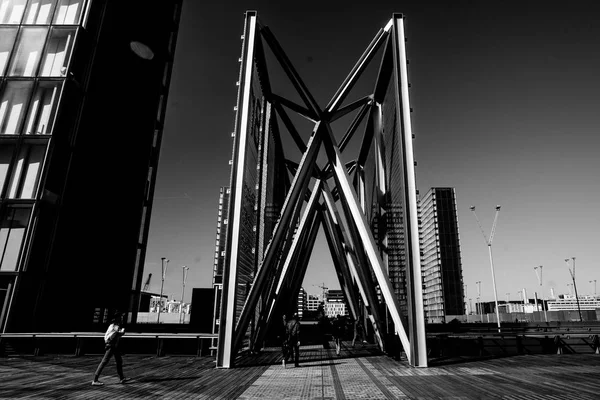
290 71
367 136
334 240
358 265
298 109
354 125
295 193
349 108
300 272
291 128
356 71
349 200
292 252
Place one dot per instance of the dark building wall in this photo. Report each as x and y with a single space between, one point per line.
89 249
202 316
450 251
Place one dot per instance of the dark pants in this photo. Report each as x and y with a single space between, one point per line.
293 350
110 351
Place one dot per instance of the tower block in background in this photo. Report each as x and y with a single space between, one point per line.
366 202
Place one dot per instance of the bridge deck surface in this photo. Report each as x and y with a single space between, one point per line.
359 373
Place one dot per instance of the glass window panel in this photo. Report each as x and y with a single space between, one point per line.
12 106
57 54
39 12
42 110
11 11
29 49
7 41
6 152
12 232
68 12
26 173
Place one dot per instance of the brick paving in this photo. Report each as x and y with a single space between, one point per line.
355 374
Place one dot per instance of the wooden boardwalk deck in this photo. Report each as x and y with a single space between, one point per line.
359 373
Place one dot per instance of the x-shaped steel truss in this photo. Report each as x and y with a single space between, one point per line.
356 256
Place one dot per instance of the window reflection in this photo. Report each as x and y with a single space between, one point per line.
11 11
7 41
29 49
39 12
26 172
12 106
6 152
42 110
68 12
56 57
13 225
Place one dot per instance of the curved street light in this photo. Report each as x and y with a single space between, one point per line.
488 242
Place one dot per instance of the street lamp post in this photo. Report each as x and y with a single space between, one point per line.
184 270
489 244
539 276
572 272
478 304
471 305
162 284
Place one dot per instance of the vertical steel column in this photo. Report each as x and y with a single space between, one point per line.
228 299
415 282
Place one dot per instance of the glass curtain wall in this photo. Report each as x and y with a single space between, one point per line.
36 42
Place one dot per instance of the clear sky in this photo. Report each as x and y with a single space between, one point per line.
506 110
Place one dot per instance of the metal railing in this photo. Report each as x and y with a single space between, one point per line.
80 343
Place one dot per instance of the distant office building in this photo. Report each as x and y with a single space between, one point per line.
335 303
441 261
301 302
83 94
313 302
569 303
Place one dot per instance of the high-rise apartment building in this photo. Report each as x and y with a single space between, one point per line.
83 94
443 293
302 302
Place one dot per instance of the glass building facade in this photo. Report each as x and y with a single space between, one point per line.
443 293
77 167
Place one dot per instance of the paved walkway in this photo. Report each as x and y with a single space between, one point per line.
356 374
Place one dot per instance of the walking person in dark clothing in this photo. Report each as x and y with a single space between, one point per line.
112 338
284 343
359 332
292 330
338 332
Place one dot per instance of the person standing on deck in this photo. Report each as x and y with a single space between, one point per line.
338 332
284 342
292 330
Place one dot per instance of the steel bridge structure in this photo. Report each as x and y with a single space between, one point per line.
366 203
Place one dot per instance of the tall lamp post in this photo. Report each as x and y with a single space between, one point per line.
572 272
184 270
471 305
489 245
478 304
539 276
162 284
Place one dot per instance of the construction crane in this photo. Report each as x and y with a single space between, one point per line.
324 288
147 284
